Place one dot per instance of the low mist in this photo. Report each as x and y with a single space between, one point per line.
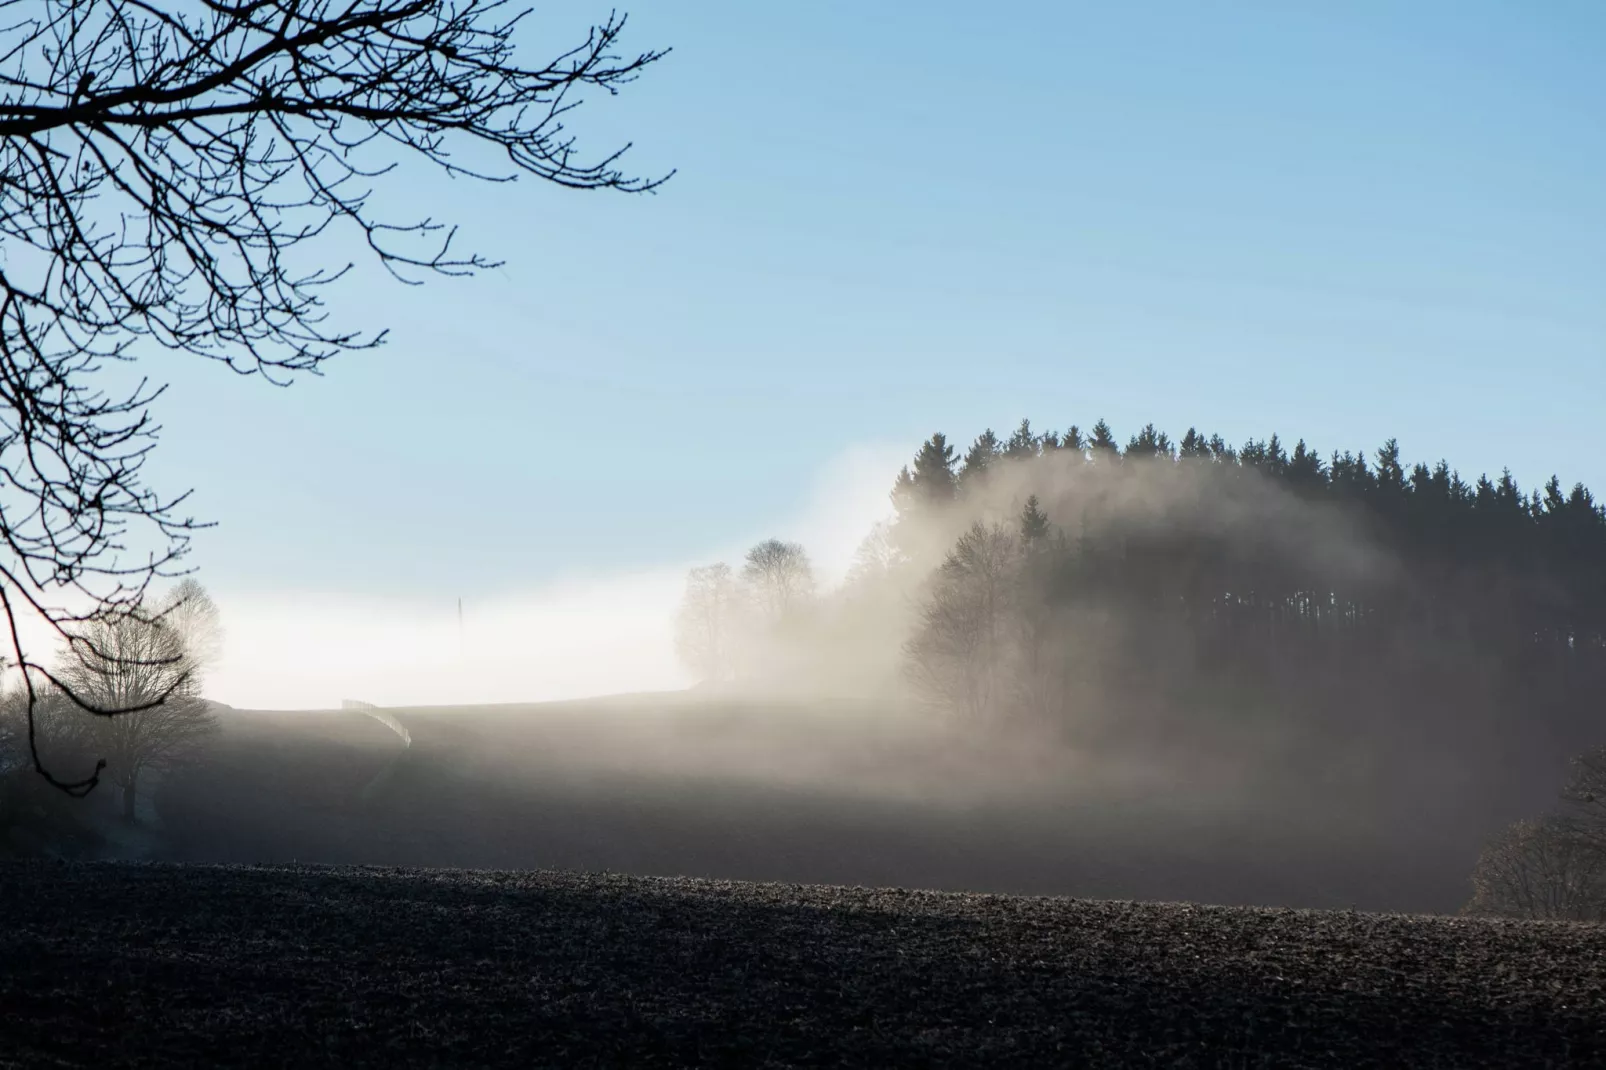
576 635
1052 666
566 641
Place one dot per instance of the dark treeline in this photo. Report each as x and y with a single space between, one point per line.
1193 589
1374 658
1524 571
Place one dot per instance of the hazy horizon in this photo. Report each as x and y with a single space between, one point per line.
1121 463
592 633
1215 222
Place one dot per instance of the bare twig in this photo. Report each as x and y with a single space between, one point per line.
162 165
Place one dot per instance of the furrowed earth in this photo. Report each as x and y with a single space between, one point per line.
118 964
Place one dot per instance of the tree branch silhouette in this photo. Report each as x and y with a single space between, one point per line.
166 169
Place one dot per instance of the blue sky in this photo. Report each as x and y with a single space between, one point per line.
1341 221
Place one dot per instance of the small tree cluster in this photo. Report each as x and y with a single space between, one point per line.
1553 867
705 627
725 621
152 666
984 642
779 579
1550 869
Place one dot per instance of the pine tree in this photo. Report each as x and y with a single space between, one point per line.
1484 495
933 480
1554 501
1305 467
1022 444
1034 525
1390 473
981 455
1149 443
1276 458
1101 444
903 491
1508 493
928 484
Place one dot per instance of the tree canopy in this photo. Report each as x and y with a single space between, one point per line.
1361 603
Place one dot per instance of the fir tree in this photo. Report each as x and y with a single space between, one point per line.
1101 444
981 455
932 480
1022 444
1149 443
1034 526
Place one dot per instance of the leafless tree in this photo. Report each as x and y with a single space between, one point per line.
58 719
705 627
961 653
191 615
137 660
780 577
1548 869
877 557
59 728
34 817
168 171
13 727
1585 795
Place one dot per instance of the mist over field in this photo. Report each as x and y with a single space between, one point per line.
1049 665
593 633
505 560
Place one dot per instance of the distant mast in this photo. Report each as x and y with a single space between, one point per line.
459 628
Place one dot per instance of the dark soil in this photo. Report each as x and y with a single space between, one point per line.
118 965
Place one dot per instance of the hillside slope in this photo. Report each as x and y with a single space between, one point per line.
684 785
142 965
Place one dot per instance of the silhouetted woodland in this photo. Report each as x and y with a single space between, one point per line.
1386 634
1348 589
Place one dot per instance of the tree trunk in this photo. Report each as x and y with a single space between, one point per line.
128 800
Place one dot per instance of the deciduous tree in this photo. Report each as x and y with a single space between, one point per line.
151 666
960 652
1545 869
780 578
171 177
707 623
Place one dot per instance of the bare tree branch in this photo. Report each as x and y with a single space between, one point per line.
149 668
707 622
779 576
166 167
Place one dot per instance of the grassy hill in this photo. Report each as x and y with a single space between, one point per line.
690 785
115 965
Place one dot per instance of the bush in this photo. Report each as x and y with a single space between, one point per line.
36 819
1553 868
